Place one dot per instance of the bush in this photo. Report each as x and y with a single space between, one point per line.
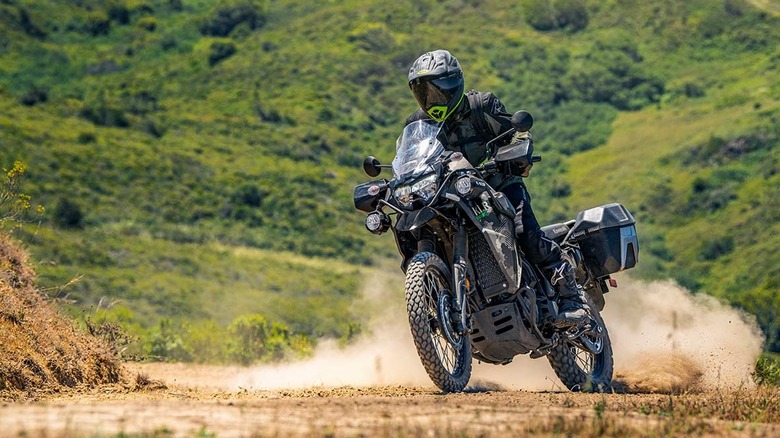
165 343
86 137
119 13
227 15
256 339
104 113
692 89
220 51
147 23
544 15
97 24
176 5
372 37
34 96
716 248
579 126
767 371
13 203
206 341
612 73
68 214
30 28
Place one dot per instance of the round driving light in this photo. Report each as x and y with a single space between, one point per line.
463 185
373 222
377 222
373 190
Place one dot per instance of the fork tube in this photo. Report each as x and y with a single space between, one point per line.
459 272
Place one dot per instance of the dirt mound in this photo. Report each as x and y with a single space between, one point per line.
40 351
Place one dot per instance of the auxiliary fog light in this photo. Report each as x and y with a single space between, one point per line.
377 222
463 185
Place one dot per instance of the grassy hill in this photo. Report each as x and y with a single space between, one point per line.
196 158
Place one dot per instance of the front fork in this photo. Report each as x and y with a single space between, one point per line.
459 273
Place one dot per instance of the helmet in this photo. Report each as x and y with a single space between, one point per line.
436 80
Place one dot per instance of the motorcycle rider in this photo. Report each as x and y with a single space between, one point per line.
436 80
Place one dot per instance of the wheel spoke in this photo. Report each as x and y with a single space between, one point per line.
447 354
583 359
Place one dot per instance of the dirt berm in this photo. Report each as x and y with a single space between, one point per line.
41 352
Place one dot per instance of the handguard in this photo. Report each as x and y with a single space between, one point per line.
516 158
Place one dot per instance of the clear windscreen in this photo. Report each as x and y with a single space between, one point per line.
417 146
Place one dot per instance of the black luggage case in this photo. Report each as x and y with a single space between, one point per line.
607 238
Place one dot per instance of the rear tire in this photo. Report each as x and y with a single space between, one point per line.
448 365
581 370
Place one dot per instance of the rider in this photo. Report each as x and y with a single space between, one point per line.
436 80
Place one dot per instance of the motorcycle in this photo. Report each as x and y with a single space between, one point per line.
470 291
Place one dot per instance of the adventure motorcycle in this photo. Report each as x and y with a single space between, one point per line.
469 289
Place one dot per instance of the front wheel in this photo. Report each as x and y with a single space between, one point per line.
580 369
445 354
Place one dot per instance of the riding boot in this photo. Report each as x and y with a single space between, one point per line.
572 307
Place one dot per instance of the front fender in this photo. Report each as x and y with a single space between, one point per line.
415 219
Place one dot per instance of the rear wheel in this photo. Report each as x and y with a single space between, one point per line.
445 354
579 368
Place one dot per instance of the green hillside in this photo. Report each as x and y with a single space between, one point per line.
196 159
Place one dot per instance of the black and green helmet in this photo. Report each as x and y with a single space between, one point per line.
436 80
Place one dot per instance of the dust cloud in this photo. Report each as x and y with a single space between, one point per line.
664 339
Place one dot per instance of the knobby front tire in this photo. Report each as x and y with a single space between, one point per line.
448 366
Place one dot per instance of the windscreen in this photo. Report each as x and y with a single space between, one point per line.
417 146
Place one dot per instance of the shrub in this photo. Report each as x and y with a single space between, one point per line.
613 73
206 341
716 248
580 126
103 113
13 203
165 343
372 37
227 15
256 339
68 214
176 5
767 371
30 28
97 24
692 89
220 51
119 13
147 23
544 15
34 96
249 195
86 137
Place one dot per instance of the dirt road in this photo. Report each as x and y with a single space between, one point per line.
192 408
671 346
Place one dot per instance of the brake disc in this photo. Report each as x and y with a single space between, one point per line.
448 319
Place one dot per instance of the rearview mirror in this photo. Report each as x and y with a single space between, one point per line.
522 121
372 166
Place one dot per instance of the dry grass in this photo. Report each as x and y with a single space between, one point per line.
40 351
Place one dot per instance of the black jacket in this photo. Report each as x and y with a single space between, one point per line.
462 128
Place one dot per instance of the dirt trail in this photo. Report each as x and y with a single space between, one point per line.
692 354
181 410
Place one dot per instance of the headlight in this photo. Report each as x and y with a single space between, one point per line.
404 195
463 185
423 189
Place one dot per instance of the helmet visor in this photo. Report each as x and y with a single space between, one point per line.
438 91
